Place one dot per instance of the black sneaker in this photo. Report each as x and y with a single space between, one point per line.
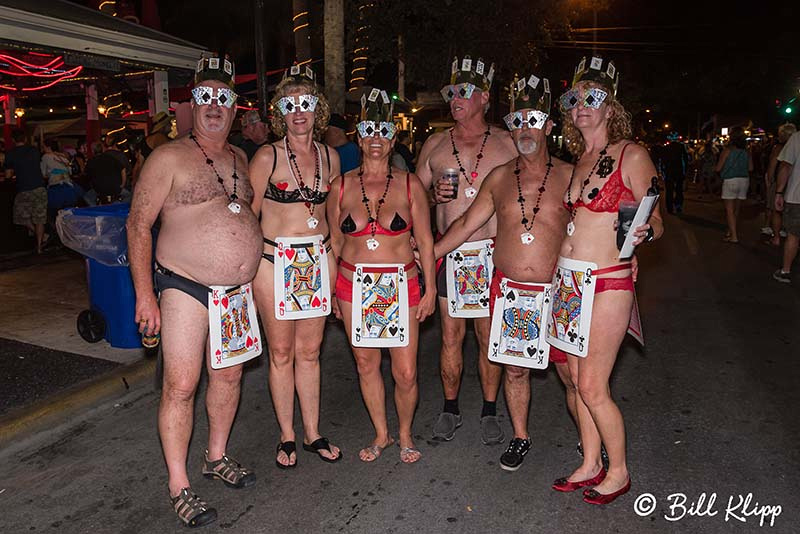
515 453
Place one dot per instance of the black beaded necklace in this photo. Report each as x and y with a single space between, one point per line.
470 191
233 197
297 176
572 209
527 236
372 243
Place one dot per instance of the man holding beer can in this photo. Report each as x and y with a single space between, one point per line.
454 163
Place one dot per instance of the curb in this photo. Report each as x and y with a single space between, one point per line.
56 409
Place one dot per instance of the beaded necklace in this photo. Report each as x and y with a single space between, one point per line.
572 209
234 206
297 176
470 191
373 243
527 237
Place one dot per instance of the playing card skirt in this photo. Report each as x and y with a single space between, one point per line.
574 286
381 295
519 312
301 280
468 273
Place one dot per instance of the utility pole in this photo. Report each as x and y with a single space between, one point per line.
261 67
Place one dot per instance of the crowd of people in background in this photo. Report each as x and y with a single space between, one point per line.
738 167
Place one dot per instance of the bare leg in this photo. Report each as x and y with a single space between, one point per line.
280 335
38 230
790 252
368 362
184 333
406 389
776 223
517 386
308 339
570 390
730 217
451 358
222 401
604 422
490 373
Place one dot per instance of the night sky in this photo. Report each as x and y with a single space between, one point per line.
687 61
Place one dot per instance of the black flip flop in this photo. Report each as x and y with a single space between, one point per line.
288 447
322 444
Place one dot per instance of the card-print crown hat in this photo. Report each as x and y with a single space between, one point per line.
377 106
530 93
215 68
474 72
599 71
300 73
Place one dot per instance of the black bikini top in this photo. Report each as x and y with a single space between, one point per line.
281 193
396 227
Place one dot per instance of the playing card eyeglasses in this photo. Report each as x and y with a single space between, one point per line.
370 128
532 119
204 96
592 98
291 104
459 90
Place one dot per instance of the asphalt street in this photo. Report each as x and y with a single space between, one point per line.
710 406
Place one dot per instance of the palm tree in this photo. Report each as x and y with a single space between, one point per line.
302 35
334 54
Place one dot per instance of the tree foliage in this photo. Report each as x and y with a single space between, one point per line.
511 33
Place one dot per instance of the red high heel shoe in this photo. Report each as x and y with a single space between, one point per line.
562 484
592 496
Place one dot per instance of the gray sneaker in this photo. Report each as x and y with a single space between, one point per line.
445 427
783 277
491 431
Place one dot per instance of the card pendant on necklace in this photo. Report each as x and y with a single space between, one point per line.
235 207
571 228
470 192
372 243
526 238
312 222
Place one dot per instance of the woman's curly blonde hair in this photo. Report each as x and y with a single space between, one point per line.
322 113
619 127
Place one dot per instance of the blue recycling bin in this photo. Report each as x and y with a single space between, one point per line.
112 299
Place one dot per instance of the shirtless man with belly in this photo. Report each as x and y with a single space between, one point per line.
199 187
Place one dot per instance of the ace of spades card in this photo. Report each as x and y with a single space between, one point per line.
233 333
469 276
570 319
300 278
380 306
517 332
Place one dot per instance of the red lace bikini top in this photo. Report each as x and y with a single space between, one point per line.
611 194
396 227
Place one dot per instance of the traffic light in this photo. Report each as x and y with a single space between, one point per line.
788 110
394 96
